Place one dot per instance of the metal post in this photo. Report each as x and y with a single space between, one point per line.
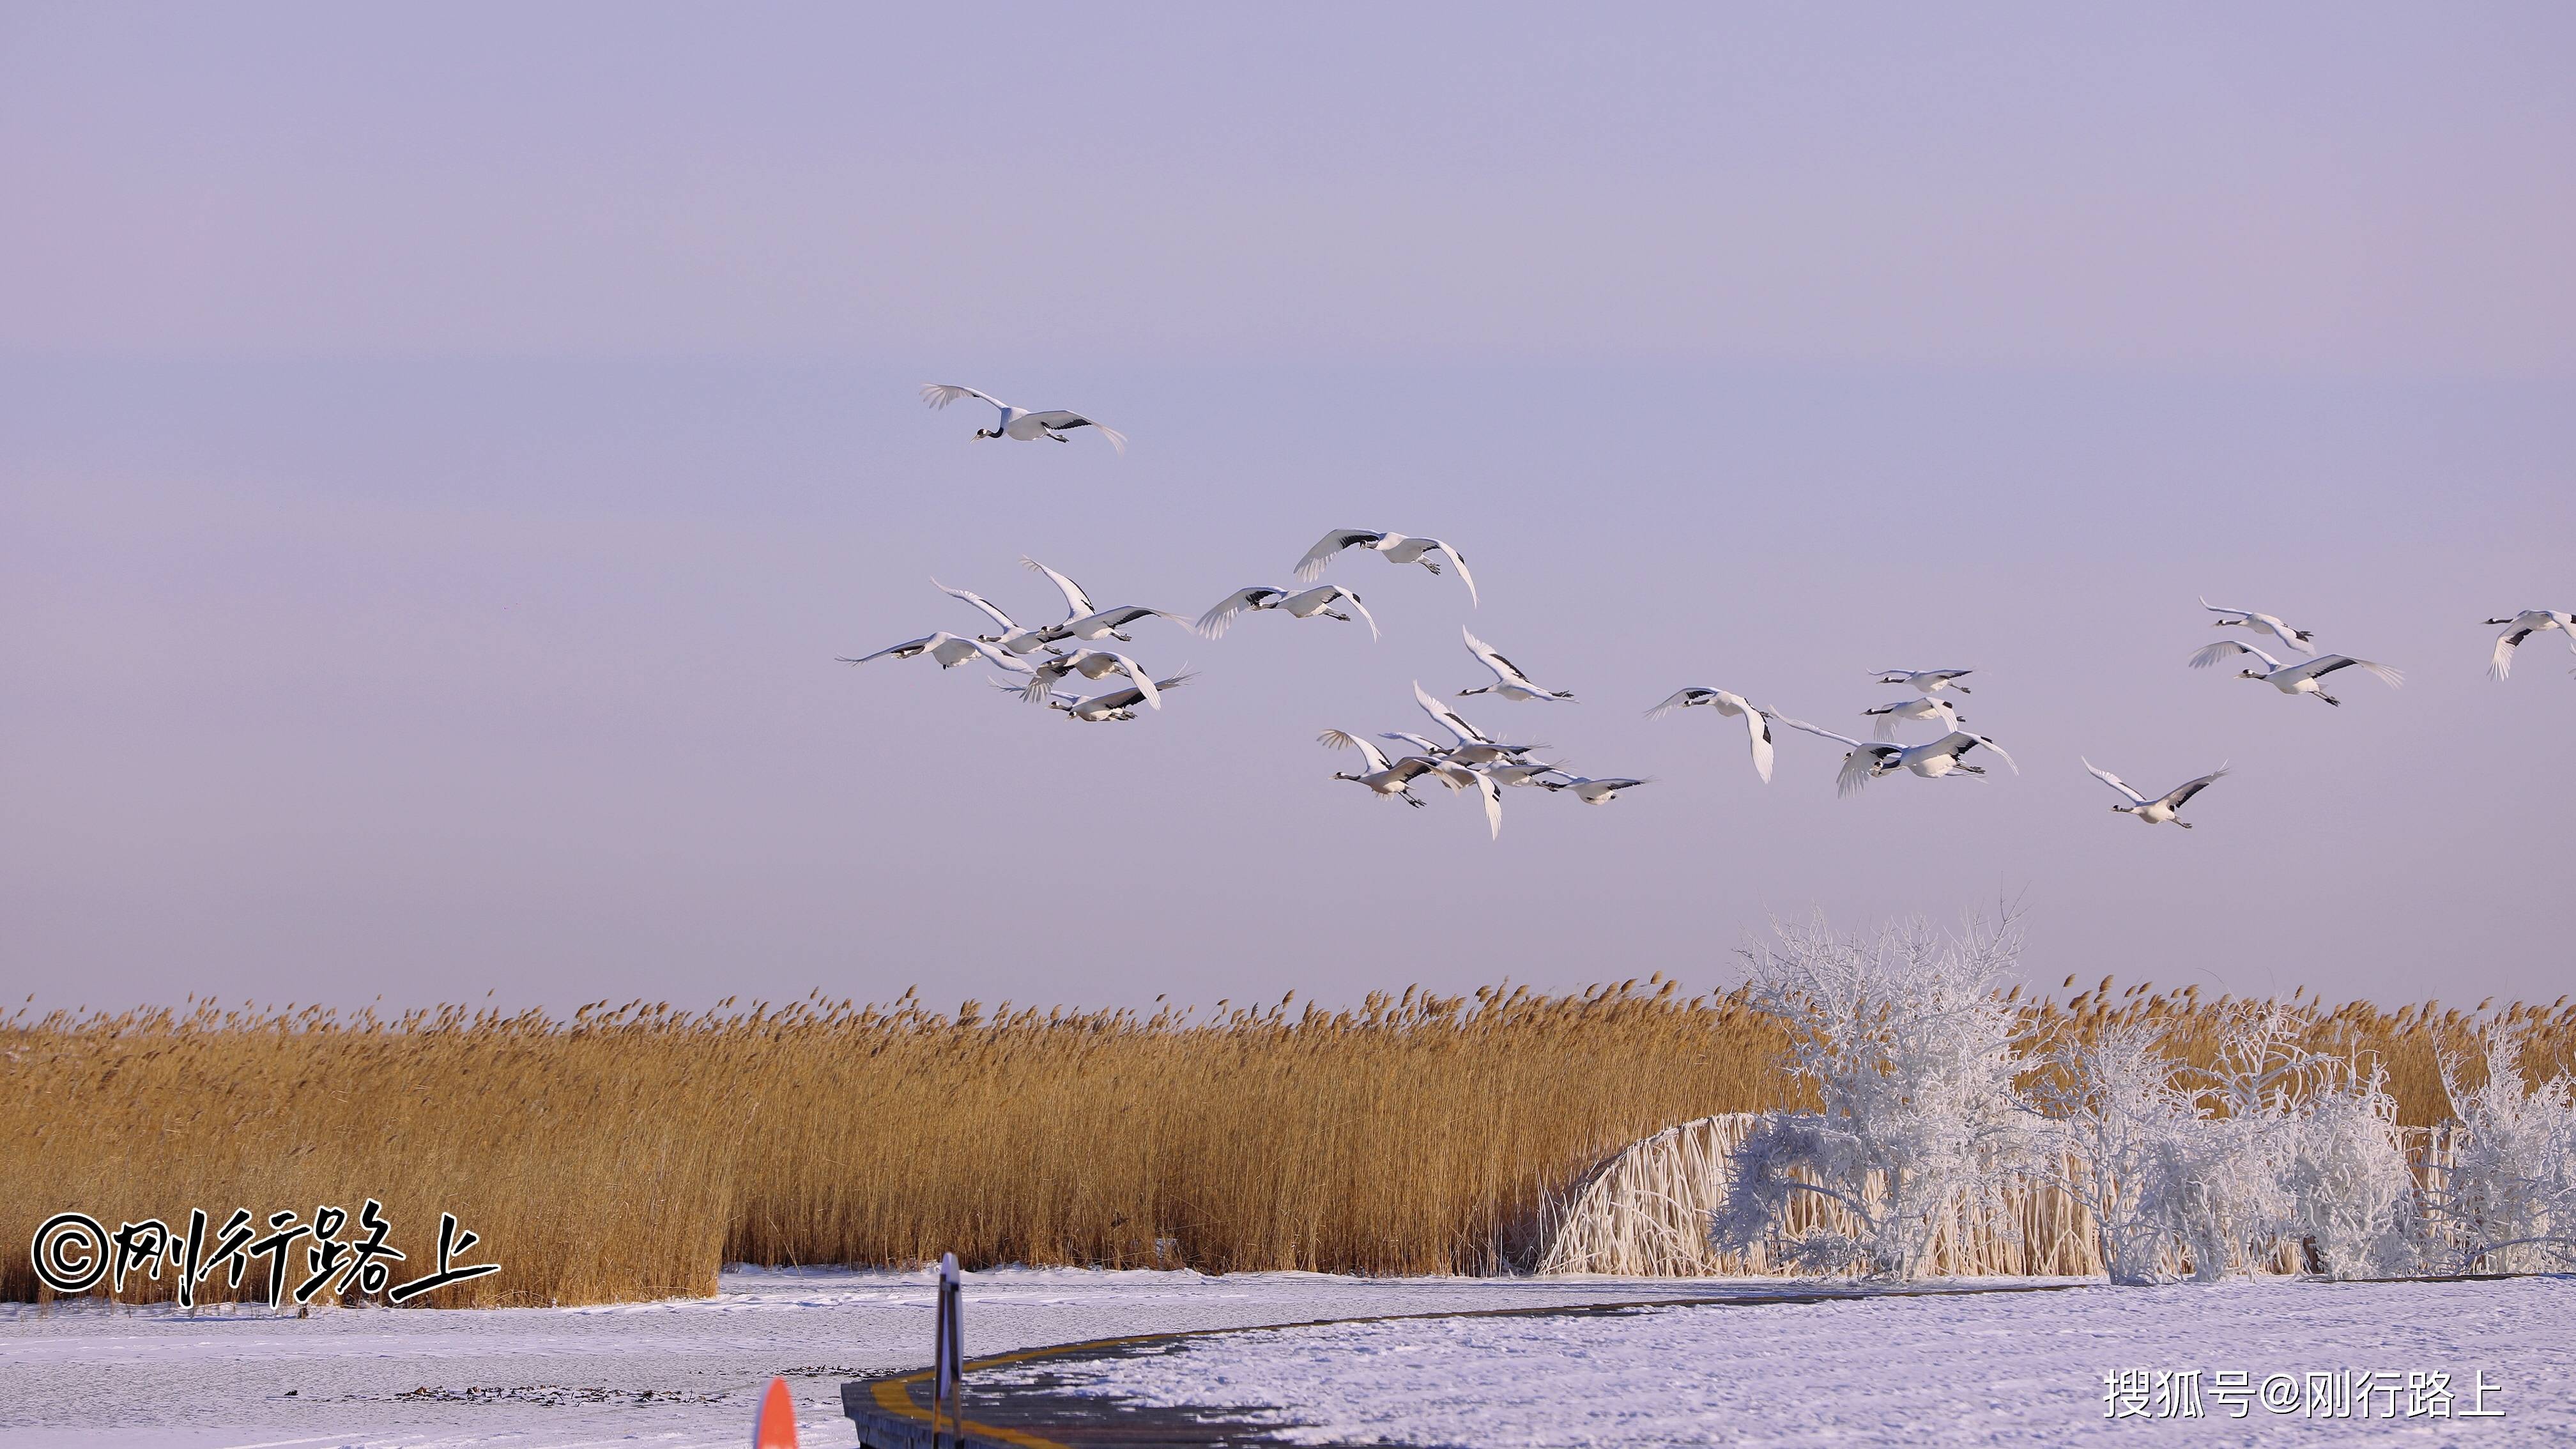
947 1361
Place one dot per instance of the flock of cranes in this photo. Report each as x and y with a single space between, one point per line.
1468 759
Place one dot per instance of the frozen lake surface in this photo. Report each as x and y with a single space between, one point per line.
2022 1368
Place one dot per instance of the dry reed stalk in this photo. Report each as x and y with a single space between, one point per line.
628 1153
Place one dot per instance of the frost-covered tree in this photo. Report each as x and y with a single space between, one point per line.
1911 1055
2217 1166
2122 1127
1929 1110
2507 1201
2231 1197
2353 1199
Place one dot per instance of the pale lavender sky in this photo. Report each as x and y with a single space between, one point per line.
441 455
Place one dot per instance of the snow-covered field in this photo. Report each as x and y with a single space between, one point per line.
677 1373
1974 1369
2020 1368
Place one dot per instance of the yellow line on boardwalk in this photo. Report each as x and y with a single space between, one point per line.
895 1397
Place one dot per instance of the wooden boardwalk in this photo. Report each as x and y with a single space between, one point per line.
894 1412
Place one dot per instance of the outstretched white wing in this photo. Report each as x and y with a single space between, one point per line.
1077 604
1493 794
2281 630
1991 745
1931 679
951 651
1449 719
904 650
1001 659
1504 669
2328 664
1374 636
1682 699
1883 719
1860 765
1216 620
2260 622
1144 682
1464 577
1759 726
941 394
1859 768
2229 649
2115 782
1822 732
2178 794
2501 665
1092 626
1000 620
1060 420
1311 566
1343 740
1413 767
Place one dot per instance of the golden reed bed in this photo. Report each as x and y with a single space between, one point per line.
626 1153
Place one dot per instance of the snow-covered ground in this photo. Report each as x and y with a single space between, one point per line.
678 1373
1984 1369
1999 1369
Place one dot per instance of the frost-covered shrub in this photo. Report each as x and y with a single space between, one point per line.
2353 1197
2506 1202
2274 1154
2228 1195
1911 1055
2218 1166
2234 1199
2121 1124
2140 1144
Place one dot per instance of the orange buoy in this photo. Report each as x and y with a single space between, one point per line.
774 1427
